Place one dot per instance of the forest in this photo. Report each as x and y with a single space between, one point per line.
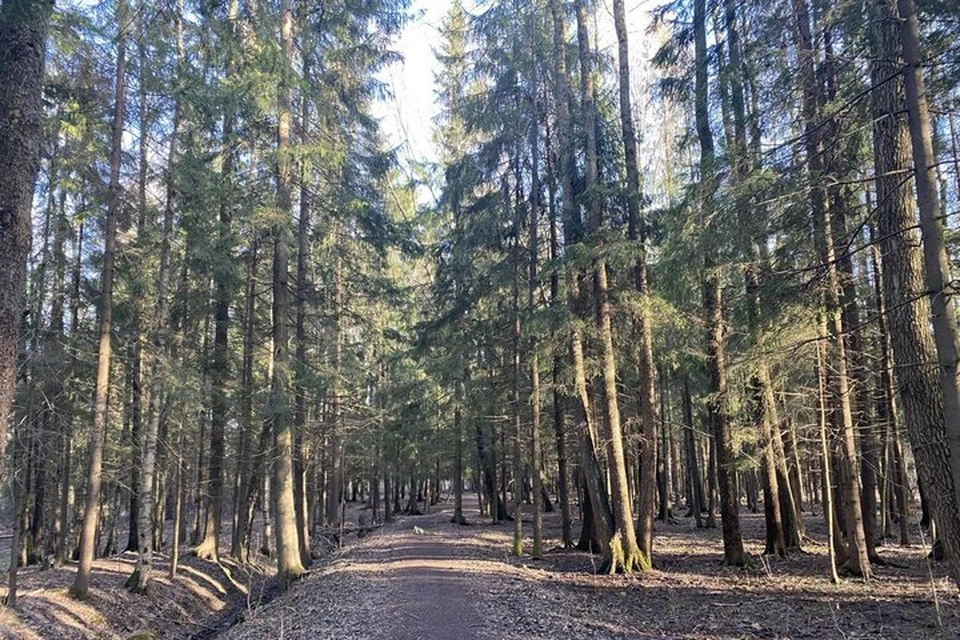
654 336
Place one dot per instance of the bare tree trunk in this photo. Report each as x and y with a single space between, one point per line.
515 370
559 413
713 310
80 586
622 553
637 233
250 465
895 472
300 415
935 255
695 494
858 561
23 35
825 465
334 476
534 256
922 390
289 566
140 578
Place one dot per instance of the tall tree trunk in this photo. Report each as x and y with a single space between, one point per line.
825 461
922 389
622 553
140 578
140 362
80 586
895 473
783 528
23 36
334 475
713 310
695 494
515 370
209 546
534 255
858 561
301 368
850 314
636 232
600 519
934 251
250 459
559 413
289 566
67 495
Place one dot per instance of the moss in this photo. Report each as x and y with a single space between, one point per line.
623 557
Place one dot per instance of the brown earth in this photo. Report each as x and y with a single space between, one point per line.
422 577
205 598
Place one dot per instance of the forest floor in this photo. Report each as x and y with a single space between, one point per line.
423 577
205 598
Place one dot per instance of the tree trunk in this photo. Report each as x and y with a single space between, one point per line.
695 494
922 389
733 554
534 255
250 465
80 586
289 566
562 92
622 553
515 371
825 459
636 232
858 561
302 366
141 575
895 472
23 35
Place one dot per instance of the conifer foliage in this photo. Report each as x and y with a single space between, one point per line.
678 262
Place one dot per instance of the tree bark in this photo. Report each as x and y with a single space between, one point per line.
908 297
622 553
23 35
289 566
533 283
713 310
141 575
858 561
88 531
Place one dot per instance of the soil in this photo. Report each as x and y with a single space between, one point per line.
423 577
205 598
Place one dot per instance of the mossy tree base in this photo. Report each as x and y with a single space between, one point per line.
624 556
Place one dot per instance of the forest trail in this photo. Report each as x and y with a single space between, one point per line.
418 577
423 578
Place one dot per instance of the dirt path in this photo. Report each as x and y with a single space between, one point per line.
415 578
424 578
434 588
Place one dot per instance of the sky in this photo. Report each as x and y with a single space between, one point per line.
408 116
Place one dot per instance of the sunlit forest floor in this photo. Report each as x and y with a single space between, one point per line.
422 577
204 597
